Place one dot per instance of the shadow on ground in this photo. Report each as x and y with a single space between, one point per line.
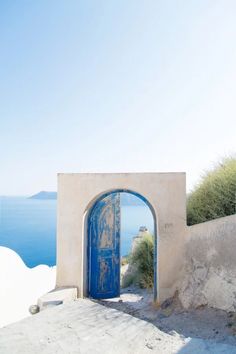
204 323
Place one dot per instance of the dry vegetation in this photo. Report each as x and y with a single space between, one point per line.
215 195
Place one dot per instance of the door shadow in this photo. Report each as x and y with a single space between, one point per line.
202 323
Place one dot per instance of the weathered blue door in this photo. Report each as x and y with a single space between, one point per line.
104 248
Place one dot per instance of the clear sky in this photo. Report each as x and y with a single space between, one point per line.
114 86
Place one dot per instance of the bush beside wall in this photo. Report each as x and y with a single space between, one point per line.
142 260
215 196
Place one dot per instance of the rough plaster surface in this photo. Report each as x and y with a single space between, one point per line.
210 265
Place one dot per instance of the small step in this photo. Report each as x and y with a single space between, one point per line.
57 296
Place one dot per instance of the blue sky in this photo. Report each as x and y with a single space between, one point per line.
114 86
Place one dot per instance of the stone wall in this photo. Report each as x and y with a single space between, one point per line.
210 265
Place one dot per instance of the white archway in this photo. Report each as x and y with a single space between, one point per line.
166 193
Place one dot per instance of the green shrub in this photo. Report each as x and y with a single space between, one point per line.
142 259
215 196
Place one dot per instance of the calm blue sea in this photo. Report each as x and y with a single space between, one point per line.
28 226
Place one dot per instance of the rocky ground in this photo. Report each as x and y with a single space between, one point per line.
205 323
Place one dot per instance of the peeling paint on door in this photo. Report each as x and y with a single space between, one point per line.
104 248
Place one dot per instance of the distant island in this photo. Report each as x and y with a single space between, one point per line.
126 198
43 195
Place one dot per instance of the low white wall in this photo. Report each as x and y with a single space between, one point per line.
210 265
21 286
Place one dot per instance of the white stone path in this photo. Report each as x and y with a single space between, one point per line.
84 326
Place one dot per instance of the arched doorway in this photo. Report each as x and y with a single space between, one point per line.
103 250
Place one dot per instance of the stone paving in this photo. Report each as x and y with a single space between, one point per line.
85 327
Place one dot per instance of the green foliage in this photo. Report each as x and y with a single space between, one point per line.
215 196
142 259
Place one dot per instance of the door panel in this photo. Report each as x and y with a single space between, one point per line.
104 248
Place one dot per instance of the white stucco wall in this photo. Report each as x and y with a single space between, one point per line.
210 265
166 192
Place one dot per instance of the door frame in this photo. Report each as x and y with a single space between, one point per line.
87 245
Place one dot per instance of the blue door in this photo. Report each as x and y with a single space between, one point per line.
104 248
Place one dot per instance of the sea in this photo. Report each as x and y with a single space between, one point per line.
28 226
